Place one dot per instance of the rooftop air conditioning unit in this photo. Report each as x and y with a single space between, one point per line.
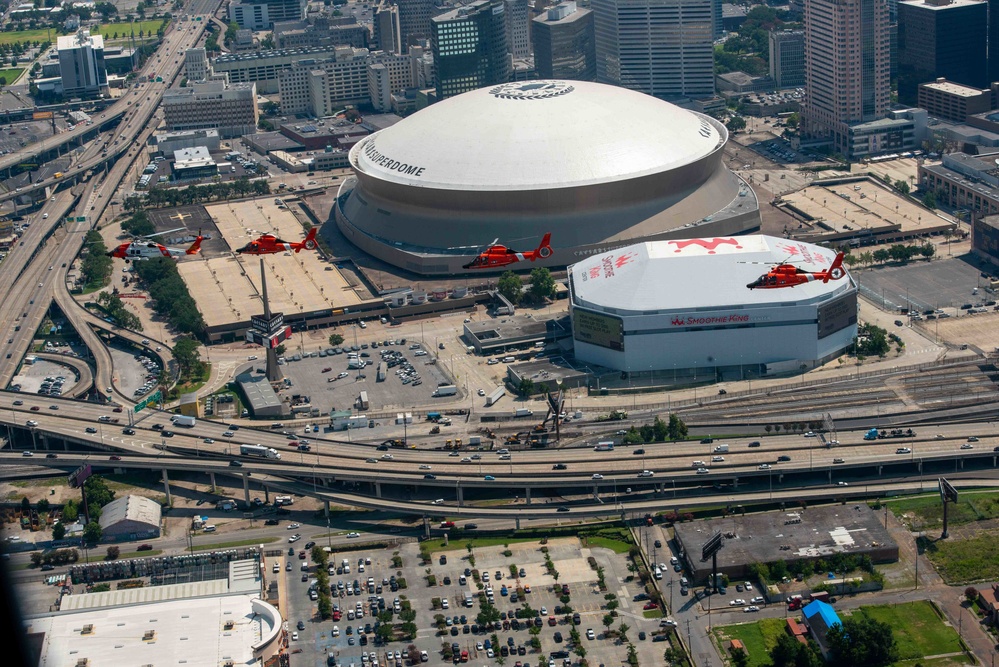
87 629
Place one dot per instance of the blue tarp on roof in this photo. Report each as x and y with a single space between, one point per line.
823 610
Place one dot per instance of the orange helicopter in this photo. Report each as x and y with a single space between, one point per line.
789 275
268 244
135 250
499 255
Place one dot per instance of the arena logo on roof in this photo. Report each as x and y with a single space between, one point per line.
607 266
709 245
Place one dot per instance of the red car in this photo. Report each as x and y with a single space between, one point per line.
327 369
114 458
293 443
552 621
117 409
35 408
650 605
336 615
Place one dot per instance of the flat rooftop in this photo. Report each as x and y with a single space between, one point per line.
815 532
189 631
862 207
227 286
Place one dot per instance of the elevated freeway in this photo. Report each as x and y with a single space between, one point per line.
583 476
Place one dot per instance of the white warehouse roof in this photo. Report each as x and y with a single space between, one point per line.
131 508
686 274
536 135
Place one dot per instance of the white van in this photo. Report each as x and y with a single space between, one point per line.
658 573
210 528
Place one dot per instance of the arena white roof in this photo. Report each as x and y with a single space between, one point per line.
537 135
685 274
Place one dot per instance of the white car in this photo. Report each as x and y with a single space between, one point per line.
466 459
810 434
758 600
353 534
703 471
764 466
293 526
748 585
738 602
750 608
597 476
590 634
717 459
482 392
424 467
492 362
967 446
294 538
294 636
646 473
697 464
336 630
387 457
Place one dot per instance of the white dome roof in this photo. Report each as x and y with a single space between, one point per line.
685 274
537 135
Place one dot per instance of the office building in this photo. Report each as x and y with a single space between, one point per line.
264 67
168 142
470 47
388 34
517 28
846 69
564 47
196 66
993 66
662 48
414 21
322 31
951 101
941 39
81 64
262 14
787 58
232 110
352 77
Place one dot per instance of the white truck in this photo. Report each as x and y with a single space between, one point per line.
495 395
445 390
184 420
721 449
259 451
523 412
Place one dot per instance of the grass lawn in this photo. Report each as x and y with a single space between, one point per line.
965 561
917 628
617 540
11 74
238 543
653 613
21 36
952 661
758 638
124 29
98 558
458 543
974 506
41 481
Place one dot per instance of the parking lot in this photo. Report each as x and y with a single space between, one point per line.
331 383
945 282
136 374
442 627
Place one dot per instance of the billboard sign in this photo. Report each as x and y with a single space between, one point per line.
80 475
712 546
947 491
598 329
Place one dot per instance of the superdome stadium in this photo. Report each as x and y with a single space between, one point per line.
685 304
598 166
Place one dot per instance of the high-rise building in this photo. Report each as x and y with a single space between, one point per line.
81 64
232 110
518 36
564 47
388 34
846 68
993 40
196 66
787 58
262 14
660 47
941 39
414 21
470 47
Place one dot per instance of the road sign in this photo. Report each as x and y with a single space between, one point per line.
81 218
144 403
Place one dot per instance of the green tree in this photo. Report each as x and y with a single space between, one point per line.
632 437
526 387
92 533
139 224
70 511
188 357
927 250
280 349
677 429
25 504
511 287
740 658
930 199
881 255
113 552
98 494
659 429
58 531
608 620
336 339
789 652
542 285
736 123
862 641
325 607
